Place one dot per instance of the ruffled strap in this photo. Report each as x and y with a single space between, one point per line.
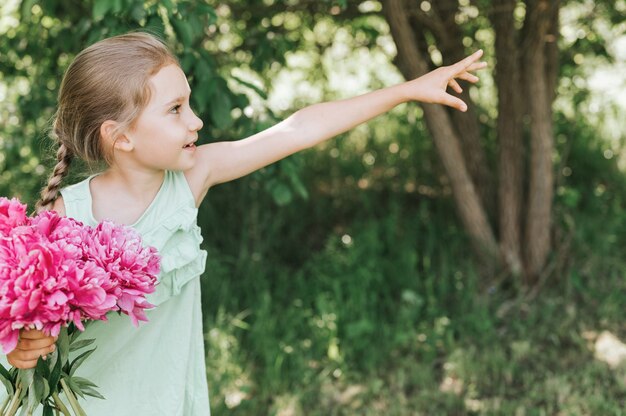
178 240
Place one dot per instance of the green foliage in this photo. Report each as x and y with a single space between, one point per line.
52 374
39 48
385 322
362 299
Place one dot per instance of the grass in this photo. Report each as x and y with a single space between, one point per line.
388 315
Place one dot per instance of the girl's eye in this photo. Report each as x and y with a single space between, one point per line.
175 109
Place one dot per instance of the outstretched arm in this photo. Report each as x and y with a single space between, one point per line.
225 161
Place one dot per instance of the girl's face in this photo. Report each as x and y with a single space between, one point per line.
163 136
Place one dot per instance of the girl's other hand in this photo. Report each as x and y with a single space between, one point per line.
431 87
31 345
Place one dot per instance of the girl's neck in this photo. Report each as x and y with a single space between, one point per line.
143 185
124 196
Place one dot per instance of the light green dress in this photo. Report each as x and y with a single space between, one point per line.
157 368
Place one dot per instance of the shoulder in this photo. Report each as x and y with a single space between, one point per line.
59 205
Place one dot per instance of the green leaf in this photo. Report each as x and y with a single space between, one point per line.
27 5
47 410
83 382
89 391
299 186
187 61
168 5
183 31
117 5
241 101
199 102
203 70
100 8
55 376
81 344
25 377
253 87
39 389
138 13
205 8
220 113
221 105
53 357
210 11
7 380
282 194
79 360
24 411
196 27
35 393
42 368
155 24
75 388
46 388
8 385
4 372
74 332
63 345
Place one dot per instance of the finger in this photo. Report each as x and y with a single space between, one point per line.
28 355
32 334
466 76
455 86
31 354
463 64
476 66
454 102
23 364
35 344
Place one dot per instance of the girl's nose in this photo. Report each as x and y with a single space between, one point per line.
196 123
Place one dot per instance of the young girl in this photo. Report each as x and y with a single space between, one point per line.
125 100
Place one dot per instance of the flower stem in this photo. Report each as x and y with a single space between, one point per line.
73 402
61 406
4 405
15 402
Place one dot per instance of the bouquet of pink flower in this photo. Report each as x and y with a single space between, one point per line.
56 275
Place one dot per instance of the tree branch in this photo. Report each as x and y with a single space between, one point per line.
413 64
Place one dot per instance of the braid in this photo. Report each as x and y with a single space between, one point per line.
50 192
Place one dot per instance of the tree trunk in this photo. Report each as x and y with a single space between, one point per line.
451 46
509 132
412 64
552 53
540 191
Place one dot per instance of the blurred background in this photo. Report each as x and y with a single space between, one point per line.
428 262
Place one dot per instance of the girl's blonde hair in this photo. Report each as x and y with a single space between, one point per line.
107 81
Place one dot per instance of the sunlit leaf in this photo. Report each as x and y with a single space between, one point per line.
100 8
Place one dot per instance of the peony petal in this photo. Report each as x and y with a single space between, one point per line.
8 337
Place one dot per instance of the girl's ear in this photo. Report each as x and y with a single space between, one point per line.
112 139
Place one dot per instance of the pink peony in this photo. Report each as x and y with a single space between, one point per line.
12 214
131 265
55 271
